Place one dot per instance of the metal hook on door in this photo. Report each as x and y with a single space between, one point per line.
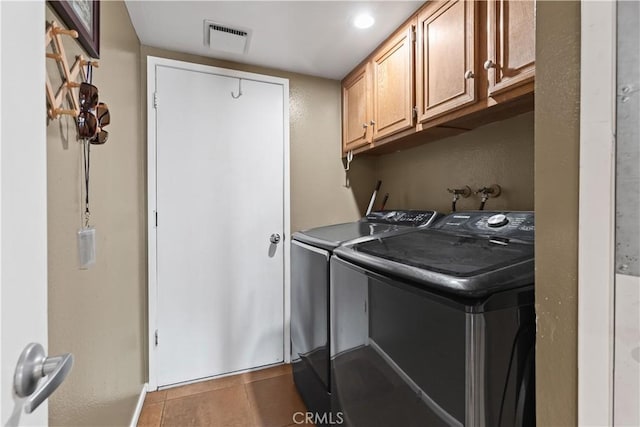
239 90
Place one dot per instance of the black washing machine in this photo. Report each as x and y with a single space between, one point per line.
311 251
436 327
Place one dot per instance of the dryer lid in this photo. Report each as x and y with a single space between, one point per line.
376 223
332 236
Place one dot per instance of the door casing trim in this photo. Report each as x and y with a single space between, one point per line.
596 236
152 315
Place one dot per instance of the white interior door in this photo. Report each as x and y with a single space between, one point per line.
23 198
219 198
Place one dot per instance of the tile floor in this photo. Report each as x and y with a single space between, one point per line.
265 398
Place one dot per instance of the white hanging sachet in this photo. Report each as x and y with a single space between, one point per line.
86 247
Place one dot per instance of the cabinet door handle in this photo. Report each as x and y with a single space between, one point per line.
34 365
364 125
469 75
373 123
488 64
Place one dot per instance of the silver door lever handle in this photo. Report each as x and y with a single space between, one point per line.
33 365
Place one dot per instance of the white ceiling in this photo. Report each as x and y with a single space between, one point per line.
308 37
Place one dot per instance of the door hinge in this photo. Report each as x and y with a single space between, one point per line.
413 33
156 337
415 111
155 99
156 212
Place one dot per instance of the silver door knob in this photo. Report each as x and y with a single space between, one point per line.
489 64
364 125
33 365
469 75
275 238
372 122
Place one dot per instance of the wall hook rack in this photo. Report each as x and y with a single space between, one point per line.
69 75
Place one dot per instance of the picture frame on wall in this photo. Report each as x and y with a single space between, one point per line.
84 17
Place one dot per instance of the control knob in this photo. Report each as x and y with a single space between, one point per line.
497 221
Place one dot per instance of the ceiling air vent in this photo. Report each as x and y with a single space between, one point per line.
225 38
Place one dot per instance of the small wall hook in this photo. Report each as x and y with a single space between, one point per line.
58 30
349 159
54 113
239 90
83 62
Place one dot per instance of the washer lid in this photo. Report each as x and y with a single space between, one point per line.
453 255
463 254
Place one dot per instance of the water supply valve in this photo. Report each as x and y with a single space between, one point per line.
457 193
486 192
460 192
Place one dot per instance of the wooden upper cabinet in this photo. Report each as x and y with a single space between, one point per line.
356 109
451 60
393 84
446 65
510 44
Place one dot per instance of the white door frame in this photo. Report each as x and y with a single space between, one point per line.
596 253
23 198
152 64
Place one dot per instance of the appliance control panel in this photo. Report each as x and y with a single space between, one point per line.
412 218
510 225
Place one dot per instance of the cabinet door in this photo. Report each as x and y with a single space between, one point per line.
511 44
446 57
356 109
393 95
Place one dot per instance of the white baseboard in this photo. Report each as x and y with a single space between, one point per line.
136 413
215 377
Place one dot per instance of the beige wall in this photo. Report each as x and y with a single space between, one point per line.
556 203
99 314
318 196
498 153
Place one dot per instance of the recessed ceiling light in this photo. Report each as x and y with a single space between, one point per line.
363 20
